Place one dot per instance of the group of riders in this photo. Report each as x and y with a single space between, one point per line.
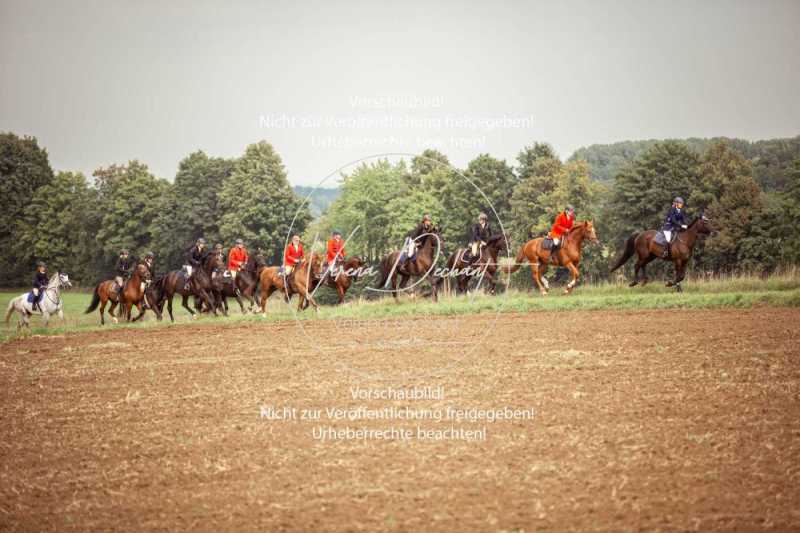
294 253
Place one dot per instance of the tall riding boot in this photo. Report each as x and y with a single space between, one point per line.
666 252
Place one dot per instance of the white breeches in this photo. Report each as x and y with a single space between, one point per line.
668 235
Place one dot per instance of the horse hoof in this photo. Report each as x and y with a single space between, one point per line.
263 315
115 321
632 284
194 317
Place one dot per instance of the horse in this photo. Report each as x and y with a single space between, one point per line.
302 279
244 284
646 249
49 303
485 266
420 267
132 293
202 279
567 255
341 277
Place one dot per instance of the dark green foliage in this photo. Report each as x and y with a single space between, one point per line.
24 168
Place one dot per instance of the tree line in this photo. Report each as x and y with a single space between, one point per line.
750 190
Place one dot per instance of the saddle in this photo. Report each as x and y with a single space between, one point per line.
549 244
660 238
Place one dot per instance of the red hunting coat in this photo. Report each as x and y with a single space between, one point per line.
562 225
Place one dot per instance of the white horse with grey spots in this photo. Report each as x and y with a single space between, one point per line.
50 303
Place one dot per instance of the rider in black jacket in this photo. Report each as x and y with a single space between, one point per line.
40 282
481 232
123 269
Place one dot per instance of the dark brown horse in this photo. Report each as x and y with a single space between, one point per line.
132 293
201 284
567 255
484 267
245 283
422 266
341 277
301 282
646 249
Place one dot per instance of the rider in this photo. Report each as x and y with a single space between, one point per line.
237 257
196 256
335 251
150 263
123 269
675 221
562 225
293 255
410 246
40 282
481 232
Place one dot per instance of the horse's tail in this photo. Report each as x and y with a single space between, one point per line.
630 247
518 261
95 300
10 310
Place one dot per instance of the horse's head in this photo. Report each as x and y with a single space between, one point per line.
143 272
354 265
63 280
703 225
213 262
591 234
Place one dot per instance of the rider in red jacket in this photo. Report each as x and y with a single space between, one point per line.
563 224
293 254
237 257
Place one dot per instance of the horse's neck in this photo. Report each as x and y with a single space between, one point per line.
576 236
690 235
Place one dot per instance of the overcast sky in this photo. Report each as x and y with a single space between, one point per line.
329 82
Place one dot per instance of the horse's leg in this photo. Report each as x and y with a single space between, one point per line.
169 307
340 290
266 292
185 304
111 312
646 262
536 278
575 274
45 317
102 312
680 273
434 292
141 311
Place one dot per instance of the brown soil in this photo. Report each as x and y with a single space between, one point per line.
652 420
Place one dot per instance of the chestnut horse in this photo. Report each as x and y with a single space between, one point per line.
484 267
646 249
132 293
301 280
568 255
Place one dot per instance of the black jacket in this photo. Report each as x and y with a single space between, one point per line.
124 266
40 280
420 230
675 219
196 257
481 233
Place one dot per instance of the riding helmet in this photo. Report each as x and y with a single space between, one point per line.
337 232
678 200
40 264
570 207
201 241
239 241
483 216
124 251
149 255
425 217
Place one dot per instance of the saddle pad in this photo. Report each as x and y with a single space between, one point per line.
547 243
661 238
31 297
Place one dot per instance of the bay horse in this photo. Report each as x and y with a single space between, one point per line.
342 276
302 280
646 249
106 292
485 266
134 291
202 285
567 255
245 283
420 267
